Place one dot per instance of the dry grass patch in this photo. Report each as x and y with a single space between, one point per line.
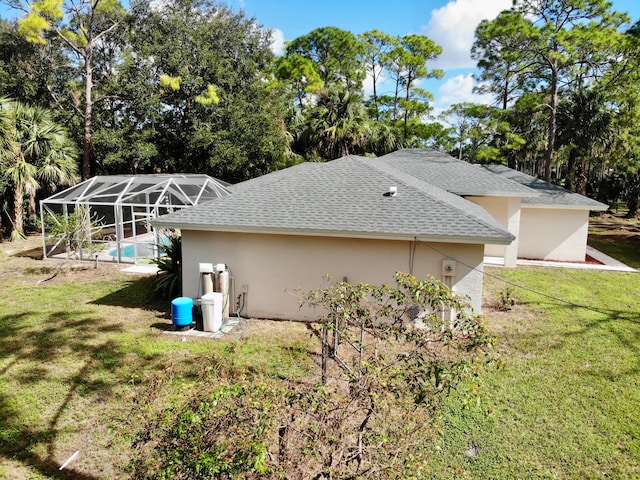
77 352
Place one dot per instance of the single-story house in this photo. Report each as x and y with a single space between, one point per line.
499 196
548 221
363 219
553 225
356 218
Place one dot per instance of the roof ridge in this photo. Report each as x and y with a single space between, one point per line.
454 175
451 202
274 177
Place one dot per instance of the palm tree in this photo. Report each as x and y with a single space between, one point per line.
7 147
339 124
42 152
384 138
585 129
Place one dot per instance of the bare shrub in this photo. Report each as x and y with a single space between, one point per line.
389 355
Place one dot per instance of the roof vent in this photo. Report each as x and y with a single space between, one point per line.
393 191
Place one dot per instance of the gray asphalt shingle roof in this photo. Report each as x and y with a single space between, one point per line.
343 198
548 194
455 176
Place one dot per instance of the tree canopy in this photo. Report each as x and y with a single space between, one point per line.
572 68
192 86
194 96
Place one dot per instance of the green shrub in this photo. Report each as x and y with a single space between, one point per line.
75 230
168 282
373 414
221 432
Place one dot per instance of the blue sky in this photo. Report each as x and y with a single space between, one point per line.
451 23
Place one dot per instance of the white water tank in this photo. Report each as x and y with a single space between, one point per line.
206 272
223 284
211 304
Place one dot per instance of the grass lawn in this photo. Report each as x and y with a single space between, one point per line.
80 353
616 236
565 404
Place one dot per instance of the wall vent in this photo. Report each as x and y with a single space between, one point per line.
393 191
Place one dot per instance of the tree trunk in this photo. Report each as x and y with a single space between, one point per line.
551 138
395 99
406 113
633 198
88 112
18 215
505 94
31 209
375 91
581 177
569 181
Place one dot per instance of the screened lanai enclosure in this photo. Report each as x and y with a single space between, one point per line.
107 218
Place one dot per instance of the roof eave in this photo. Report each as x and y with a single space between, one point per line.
463 193
558 206
476 240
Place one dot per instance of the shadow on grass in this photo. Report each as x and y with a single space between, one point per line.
622 325
17 442
76 356
33 253
21 441
135 293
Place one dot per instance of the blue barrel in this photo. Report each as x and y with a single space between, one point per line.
182 311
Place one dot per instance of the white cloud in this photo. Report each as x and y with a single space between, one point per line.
459 89
453 28
277 41
382 83
158 5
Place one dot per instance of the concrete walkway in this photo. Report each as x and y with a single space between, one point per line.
148 269
606 263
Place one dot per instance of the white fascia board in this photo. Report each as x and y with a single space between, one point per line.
338 234
548 206
531 194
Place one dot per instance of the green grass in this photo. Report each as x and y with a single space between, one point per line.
616 236
80 355
565 404
82 360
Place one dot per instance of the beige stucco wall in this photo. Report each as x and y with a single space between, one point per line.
553 234
273 267
505 210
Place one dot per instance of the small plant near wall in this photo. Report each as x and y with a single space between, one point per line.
506 301
168 281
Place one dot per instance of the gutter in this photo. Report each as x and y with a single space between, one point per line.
476 240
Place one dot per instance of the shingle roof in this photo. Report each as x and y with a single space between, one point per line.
453 175
271 177
343 198
549 195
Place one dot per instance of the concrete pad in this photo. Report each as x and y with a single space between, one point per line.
228 326
606 263
148 269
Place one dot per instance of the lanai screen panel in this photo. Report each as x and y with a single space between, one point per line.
122 205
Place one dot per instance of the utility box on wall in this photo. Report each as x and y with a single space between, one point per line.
448 268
